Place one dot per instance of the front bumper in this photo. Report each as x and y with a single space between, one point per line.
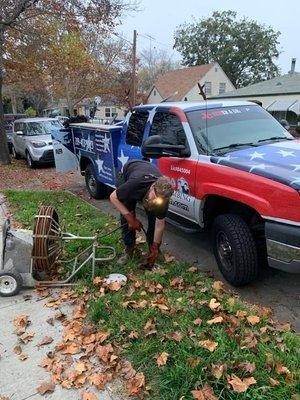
43 154
283 246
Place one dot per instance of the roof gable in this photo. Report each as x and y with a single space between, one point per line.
180 81
285 84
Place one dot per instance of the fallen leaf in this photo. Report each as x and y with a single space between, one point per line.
216 320
218 285
214 305
162 359
27 337
80 367
23 357
88 396
50 321
177 336
17 350
208 345
218 370
198 321
100 380
45 340
247 367
150 327
169 257
104 352
46 387
127 371
193 269
206 393
273 382
241 313
193 362
136 384
249 341
97 281
133 335
253 319
281 370
239 385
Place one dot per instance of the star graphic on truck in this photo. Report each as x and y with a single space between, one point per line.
256 154
99 164
105 142
123 159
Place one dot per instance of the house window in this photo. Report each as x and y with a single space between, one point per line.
216 69
114 111
222 87
207 87
107 112
136 127
154 92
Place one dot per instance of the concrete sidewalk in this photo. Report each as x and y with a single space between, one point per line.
19 380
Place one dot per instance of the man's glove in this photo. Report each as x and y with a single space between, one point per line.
134 224
153 253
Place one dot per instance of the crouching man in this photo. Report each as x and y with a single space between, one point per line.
142 182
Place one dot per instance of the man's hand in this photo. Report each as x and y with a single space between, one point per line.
134 224
153 253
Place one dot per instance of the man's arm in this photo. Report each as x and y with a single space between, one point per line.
159 230
117 203
132 221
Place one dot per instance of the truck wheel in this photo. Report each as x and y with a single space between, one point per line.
10 283
96 189
235 249
15 155
30 162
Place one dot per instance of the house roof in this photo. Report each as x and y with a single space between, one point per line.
180 81
285 84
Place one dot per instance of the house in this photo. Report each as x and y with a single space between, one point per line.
280 96
182 84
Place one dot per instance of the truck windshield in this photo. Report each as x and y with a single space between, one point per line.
220 130
42 127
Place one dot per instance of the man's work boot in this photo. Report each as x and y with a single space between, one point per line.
129 252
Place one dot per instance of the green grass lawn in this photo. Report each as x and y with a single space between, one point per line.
170 310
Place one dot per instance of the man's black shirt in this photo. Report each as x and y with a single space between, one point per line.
138 176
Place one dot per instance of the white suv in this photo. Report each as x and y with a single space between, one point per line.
31 139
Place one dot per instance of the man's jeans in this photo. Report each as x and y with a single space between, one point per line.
129 237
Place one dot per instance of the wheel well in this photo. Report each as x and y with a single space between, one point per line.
216 205
84 162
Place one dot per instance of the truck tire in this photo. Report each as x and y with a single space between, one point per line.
11 283
235 249
96 189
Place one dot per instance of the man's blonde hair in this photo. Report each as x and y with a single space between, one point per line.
163 187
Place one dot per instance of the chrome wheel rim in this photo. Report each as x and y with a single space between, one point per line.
92 183
225 251
8 284
13 152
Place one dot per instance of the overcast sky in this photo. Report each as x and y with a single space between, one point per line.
159 18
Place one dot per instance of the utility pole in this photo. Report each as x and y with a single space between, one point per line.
133 94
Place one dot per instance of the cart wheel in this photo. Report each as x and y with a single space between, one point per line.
10 283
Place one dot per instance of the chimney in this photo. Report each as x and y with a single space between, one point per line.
293 66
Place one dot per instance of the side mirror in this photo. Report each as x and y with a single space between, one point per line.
19 133
153 147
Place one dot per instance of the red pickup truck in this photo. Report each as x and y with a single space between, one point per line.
235 168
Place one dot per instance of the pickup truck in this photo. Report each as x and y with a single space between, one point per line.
235 168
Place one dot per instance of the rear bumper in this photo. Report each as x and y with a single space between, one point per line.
283 246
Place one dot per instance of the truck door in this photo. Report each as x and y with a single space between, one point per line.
182 171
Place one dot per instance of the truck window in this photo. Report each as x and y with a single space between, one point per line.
136 127
169 127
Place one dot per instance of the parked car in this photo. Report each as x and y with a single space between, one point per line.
31 139
8 121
